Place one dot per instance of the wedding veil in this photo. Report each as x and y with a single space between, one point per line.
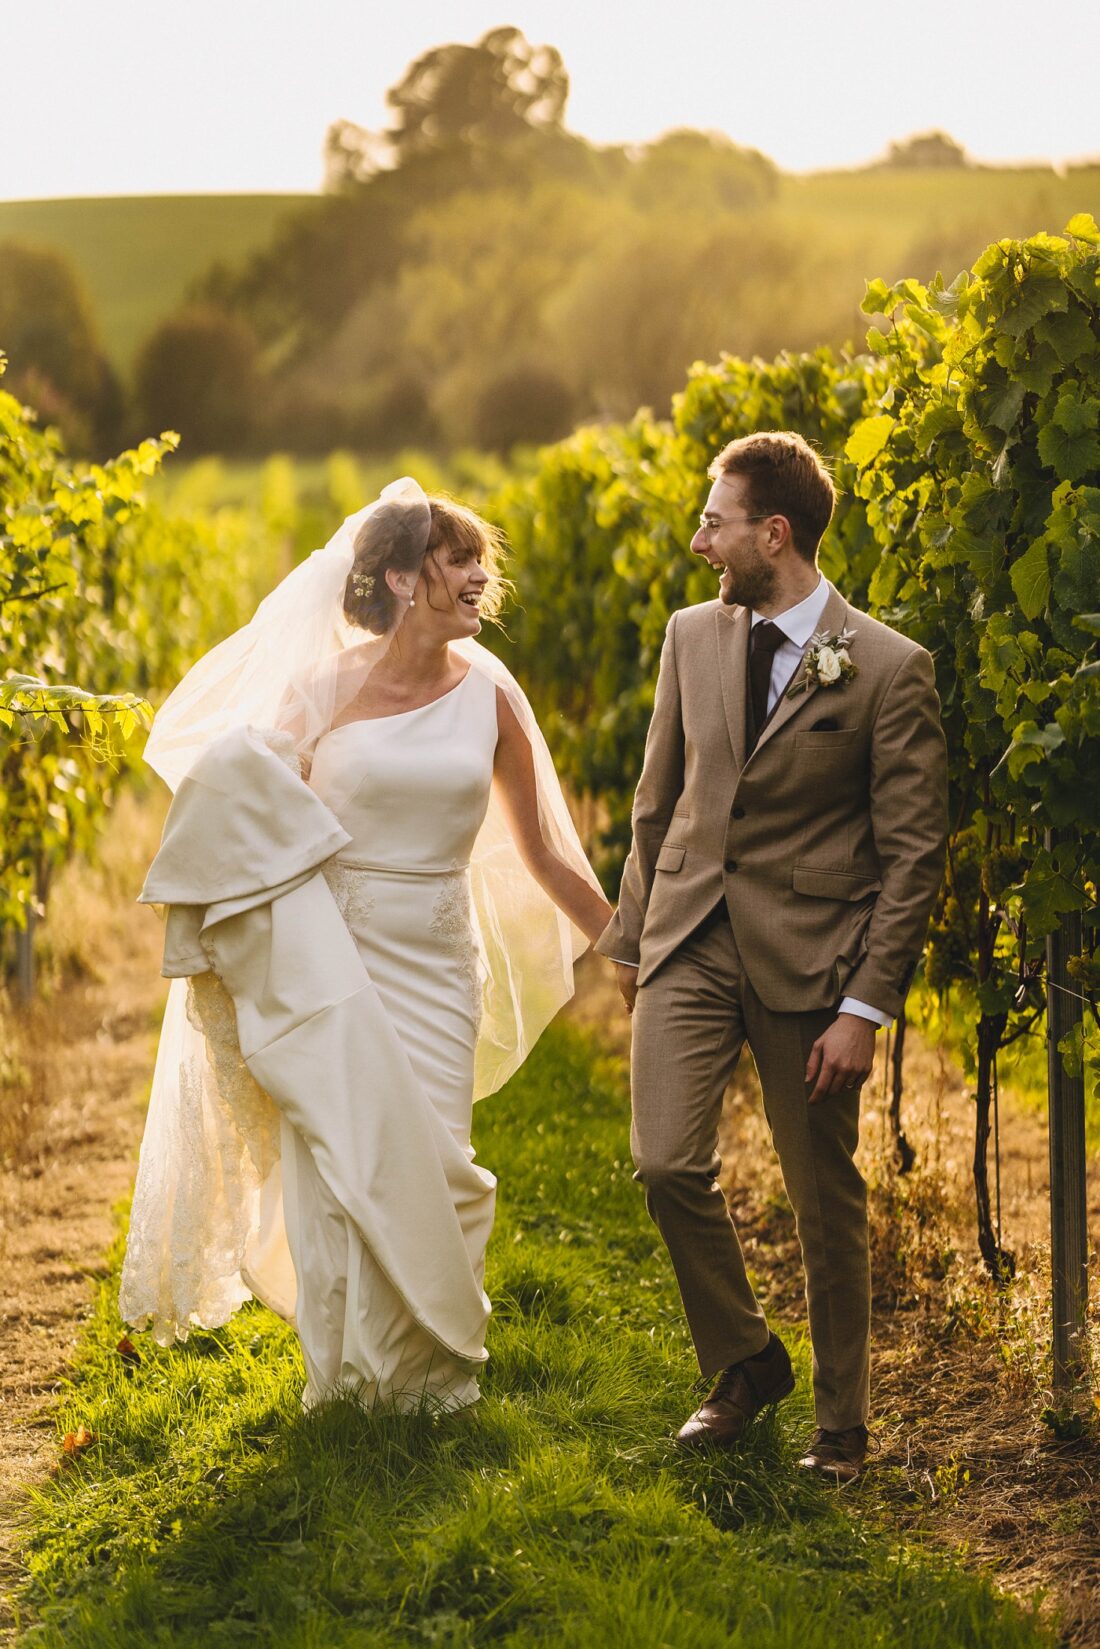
296 645
210 1153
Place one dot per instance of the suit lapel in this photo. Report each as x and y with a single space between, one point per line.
833 618
732 636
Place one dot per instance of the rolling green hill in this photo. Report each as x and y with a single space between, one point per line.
137 254
817 241
912 221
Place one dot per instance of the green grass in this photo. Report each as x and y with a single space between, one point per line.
210 1510
138 254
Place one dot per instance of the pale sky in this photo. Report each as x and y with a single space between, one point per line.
213 96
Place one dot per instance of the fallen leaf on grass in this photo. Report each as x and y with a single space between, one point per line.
129 1352
75 1442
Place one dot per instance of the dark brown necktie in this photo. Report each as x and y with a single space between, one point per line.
765 639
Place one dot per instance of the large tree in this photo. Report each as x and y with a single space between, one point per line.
927 149
485 95
707 170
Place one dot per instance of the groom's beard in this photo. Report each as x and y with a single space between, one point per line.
751 584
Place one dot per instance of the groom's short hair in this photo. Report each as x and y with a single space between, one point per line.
783 476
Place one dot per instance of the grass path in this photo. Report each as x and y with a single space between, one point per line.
209 1510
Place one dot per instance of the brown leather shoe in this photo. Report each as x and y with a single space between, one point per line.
738 1395
837 1455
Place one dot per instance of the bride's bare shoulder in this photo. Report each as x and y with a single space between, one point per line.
358 655
344 664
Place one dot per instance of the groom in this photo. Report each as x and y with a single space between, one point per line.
789 835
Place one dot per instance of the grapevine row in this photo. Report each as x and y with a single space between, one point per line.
966 450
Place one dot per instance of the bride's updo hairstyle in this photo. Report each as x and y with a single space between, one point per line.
389 541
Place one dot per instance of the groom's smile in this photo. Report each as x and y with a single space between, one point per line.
728 539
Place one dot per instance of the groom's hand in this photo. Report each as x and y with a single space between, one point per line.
626 978
841 1058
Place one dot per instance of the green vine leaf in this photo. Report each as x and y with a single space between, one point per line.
1082 226
1070 456
868 439
1030 577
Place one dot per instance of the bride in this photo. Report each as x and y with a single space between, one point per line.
355 958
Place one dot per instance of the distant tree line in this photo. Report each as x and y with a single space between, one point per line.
927 149
475 274
48 331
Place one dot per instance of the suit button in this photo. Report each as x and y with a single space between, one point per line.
730 864
739 813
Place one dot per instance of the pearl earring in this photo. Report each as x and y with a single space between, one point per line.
412 601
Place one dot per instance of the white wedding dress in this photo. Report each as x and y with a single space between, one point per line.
412 791
355 959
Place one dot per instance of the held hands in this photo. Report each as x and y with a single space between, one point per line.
627 980
841 1057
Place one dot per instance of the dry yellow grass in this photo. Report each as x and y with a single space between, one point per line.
76 1066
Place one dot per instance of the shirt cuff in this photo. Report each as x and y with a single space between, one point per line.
862 1010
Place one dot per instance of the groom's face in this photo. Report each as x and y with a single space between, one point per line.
731 542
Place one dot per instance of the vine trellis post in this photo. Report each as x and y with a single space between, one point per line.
1068 1219
24 970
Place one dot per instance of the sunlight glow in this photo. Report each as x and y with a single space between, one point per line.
123 98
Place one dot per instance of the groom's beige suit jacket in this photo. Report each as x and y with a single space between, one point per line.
827 842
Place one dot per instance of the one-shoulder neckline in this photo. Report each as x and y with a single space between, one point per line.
399 715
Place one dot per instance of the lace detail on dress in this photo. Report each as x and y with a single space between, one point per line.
210 1009
350 889
206 1152
282 745
451 923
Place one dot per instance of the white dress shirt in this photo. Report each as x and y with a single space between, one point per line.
798 624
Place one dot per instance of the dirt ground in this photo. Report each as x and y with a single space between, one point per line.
958 1371
71 1115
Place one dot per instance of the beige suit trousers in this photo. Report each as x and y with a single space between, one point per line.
691 1020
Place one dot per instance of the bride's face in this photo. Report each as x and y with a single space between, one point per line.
449 591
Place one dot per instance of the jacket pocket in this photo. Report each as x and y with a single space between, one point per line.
670 857
833 884
839 738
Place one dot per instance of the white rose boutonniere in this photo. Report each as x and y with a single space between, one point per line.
828 666
825 663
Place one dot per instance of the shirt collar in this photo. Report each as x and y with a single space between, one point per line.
799 623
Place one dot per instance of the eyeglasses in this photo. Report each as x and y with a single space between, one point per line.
711 523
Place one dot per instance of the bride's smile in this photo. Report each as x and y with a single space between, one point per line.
449 593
